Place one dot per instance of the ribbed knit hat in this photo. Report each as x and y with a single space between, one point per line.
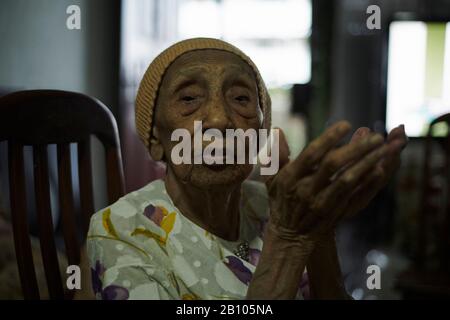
148 89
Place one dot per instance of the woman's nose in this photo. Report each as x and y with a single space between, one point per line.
217 116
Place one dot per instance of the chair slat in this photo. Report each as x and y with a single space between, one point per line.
66 204
46 234
56 117
114 174
19 218
445 231
85 178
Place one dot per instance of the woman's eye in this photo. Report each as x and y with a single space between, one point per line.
187 98
242 98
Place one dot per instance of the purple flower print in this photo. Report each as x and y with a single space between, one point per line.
96 275
304 286
114 292
239 269
254 255
154 213
111 292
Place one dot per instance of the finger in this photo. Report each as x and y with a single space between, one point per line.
352 202
395 133
284 152
359 134
283 148
392 161
314 152
339 158
294 213
355 174
366 192
396 146
345 184
398 134
369 188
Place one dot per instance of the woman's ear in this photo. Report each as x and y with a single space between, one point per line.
260 116
156 148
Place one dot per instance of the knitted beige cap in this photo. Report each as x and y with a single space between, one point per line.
149 86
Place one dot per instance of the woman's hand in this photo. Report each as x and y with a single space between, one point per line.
324 183
307 197
383 171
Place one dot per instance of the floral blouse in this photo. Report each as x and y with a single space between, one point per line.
142 247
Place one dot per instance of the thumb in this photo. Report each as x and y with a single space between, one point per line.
285 152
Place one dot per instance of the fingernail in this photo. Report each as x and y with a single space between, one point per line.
361 132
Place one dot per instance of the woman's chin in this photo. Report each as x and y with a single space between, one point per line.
206 176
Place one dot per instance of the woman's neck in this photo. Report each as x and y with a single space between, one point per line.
215 209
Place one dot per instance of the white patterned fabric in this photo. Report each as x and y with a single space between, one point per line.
142 247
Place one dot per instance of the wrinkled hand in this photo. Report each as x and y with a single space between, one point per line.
324 183
382 172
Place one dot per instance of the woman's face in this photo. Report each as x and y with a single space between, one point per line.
217 88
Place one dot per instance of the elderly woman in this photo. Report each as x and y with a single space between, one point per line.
205 232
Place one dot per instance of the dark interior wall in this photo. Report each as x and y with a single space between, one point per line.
357 66
357 94
321 58
38 51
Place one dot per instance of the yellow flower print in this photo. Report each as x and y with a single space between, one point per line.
189 296
107 223
149 234
161 217
168 222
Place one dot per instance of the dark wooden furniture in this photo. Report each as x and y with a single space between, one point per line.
39 118
435 213
429 274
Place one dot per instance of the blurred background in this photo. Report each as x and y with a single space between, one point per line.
321 64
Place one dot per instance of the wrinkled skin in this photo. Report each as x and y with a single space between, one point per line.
217 88
308 196
323 184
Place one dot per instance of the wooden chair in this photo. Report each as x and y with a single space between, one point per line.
39 118
433 214
429 274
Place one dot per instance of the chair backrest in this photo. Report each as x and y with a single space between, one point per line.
38 118
435 215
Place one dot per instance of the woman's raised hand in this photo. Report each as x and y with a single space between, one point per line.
308 196
325 182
